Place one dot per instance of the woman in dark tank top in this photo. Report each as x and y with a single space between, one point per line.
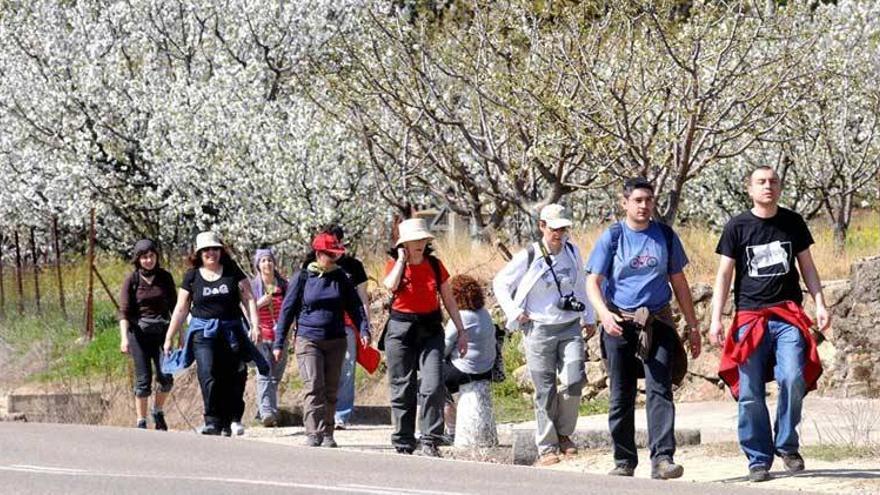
146 300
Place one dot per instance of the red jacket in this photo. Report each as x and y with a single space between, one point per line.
736 353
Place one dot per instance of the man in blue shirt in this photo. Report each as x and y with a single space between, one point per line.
637 260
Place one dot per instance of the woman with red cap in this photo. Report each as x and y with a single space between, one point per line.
318 298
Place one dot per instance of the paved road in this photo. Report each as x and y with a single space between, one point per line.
74 459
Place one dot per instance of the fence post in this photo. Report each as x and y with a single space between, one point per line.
36 267
58 265
18 282
2 281
106 287
90 291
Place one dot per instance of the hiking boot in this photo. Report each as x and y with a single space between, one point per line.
269 420
237 428
566 446
794 463
446 440
329 442
758 474
210 430
548 459
622 470
313 441
226 431
142 424
665 469
403 450
159 420
428 450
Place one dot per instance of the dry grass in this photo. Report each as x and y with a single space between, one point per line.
483 261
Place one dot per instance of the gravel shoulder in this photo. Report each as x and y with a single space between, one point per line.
839 441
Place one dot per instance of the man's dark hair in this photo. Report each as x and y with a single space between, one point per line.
748 177
636 183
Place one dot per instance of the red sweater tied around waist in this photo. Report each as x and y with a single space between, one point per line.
736 353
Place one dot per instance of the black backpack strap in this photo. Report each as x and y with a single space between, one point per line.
133 282
570 247
668 235
435 266
616 231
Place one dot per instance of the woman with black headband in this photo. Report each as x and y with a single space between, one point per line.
146 300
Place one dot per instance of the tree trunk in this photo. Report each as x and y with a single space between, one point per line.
57 247
18 274
839 237
36 269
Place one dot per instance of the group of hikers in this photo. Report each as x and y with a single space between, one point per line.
545 291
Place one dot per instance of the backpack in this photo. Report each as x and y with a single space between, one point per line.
435 267
617 231
497 372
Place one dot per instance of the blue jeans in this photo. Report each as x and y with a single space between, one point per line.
784 344
345 394
267 385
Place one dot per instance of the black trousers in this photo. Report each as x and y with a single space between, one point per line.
623 371
414 355
222 377
454 378
146 352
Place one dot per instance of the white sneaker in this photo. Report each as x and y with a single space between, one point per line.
237 428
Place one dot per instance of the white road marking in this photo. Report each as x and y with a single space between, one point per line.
48 468
403 490
352 488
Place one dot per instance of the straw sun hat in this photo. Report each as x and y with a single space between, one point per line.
413 229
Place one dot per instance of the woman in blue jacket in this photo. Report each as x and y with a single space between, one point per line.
318 298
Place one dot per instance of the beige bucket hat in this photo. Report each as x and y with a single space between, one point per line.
206 240
556 216
413 229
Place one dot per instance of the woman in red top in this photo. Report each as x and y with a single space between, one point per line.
269 288
414 339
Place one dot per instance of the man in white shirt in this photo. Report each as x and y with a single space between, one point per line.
542 291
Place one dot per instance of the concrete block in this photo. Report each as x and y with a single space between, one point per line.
72 407
475 416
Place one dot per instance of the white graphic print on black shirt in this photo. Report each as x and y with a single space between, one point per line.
216 299
765 250
769 260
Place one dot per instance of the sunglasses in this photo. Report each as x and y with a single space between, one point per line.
560 230
212 248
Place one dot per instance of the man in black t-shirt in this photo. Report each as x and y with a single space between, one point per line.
770 328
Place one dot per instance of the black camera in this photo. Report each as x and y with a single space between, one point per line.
570 303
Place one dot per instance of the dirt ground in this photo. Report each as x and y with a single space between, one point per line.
723 463
717 460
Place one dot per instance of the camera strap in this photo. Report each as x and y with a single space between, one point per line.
549 262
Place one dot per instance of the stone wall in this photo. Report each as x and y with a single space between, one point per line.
856 366
850 356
